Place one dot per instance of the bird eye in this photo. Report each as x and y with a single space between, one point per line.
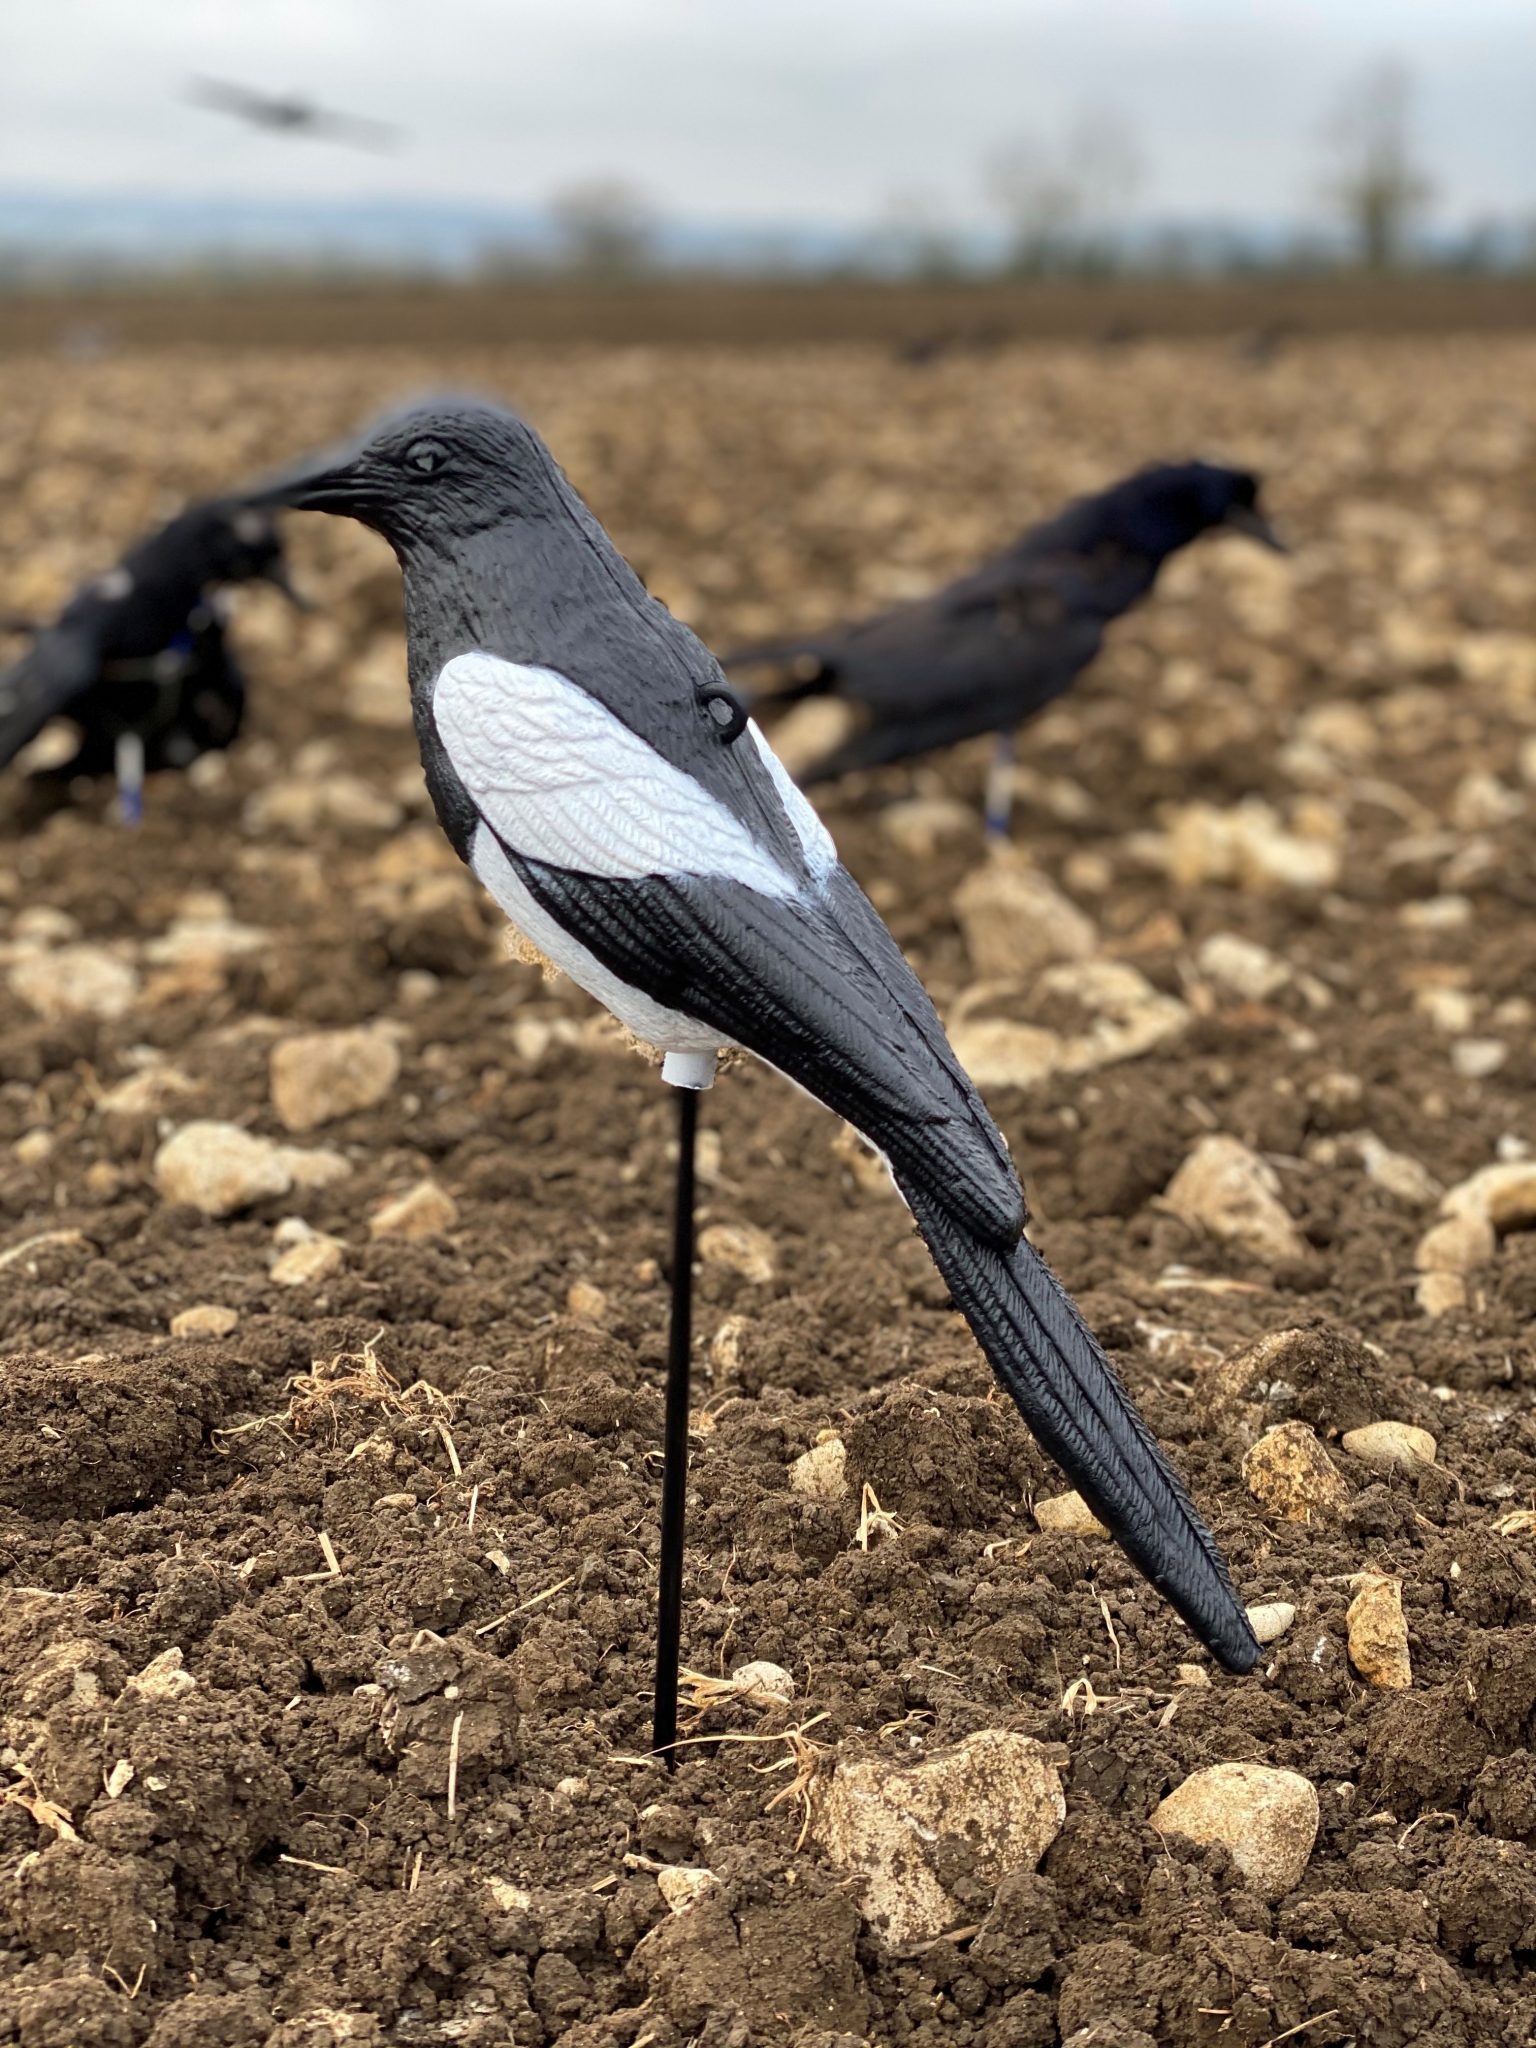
426 457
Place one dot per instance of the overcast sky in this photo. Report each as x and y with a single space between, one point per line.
795 110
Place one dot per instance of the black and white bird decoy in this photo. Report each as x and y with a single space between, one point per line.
588 761
288 114
139 658
987 652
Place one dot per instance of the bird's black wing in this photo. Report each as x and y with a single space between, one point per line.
816 986
62 664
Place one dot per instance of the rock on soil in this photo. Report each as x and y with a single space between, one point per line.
1390 1446
1266 1819
1068 1514
1378 1633
75 981
995 1796
1290 1475
821 1472
219 1168
329 1074
1017 922
1226 1189
423 1211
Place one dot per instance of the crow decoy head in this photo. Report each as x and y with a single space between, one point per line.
587 760
1162 509
240 544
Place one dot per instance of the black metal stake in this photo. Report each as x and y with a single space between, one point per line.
674 1475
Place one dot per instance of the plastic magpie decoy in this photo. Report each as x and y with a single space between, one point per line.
587 759
139 657
987 652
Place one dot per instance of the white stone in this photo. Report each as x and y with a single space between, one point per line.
1390 1446
821 1472
1017 922
1476 1059
1270 1619
1241 967
768 1684
1226 1189
423 1211
1068 1514
306 1265
1125 1017
1267 1819
324 1075
205 1319
162 1678
218 1168
1000 1793
682 1885
1503 1195
75 981
741 1248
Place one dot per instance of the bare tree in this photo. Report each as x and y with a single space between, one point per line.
1378 187
1064 202
606 227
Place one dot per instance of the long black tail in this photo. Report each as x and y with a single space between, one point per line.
1068 1393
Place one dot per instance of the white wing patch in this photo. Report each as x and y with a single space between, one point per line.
815 840
559 779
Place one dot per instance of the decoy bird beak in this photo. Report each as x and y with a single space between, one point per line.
323 483
278 575
1245 519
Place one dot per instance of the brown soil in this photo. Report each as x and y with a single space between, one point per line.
254 1629
961 318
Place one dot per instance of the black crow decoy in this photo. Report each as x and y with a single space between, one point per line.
138 658
987 652
287 114
588 761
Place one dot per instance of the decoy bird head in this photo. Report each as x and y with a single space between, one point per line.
235 542
244 547
1162 509
439 472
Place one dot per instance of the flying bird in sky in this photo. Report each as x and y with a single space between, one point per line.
987 652
139 659
287 114
588 761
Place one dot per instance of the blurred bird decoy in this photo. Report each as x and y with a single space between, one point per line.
987 652
287 114
587 760
139 660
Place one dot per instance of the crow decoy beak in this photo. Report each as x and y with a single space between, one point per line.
1244 519
281 578
588 762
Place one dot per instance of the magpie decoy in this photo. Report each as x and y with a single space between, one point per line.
588 761
139 659
287 114
987 652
